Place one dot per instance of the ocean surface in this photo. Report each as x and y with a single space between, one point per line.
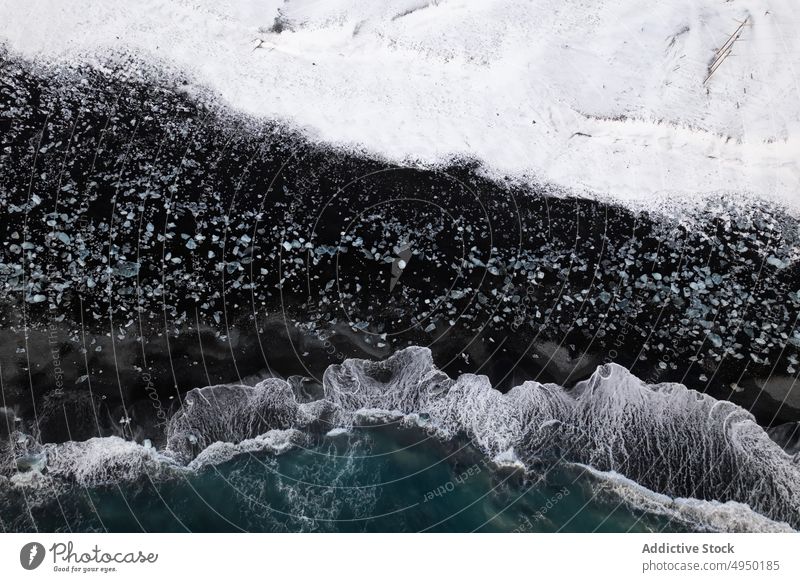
380 479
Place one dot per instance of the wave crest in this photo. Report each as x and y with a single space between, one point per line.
229 413
667 438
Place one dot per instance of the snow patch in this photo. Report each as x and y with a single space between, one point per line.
602 99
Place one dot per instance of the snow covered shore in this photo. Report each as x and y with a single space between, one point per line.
602 98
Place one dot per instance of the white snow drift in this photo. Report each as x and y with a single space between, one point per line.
604 98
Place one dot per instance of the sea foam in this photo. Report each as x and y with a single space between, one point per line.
666 438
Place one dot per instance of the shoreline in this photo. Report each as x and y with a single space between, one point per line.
163 227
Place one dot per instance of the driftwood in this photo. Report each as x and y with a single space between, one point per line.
724 51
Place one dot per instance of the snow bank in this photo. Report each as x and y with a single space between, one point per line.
606 98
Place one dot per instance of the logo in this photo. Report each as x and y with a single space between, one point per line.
402 256
31 555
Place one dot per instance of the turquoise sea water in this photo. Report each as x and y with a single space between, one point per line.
380 479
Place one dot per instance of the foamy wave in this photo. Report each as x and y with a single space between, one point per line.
94 462
230 414
666 438
273 441
712 516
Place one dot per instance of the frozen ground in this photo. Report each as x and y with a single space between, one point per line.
606 98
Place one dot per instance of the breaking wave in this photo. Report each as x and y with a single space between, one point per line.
673 450
704 515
